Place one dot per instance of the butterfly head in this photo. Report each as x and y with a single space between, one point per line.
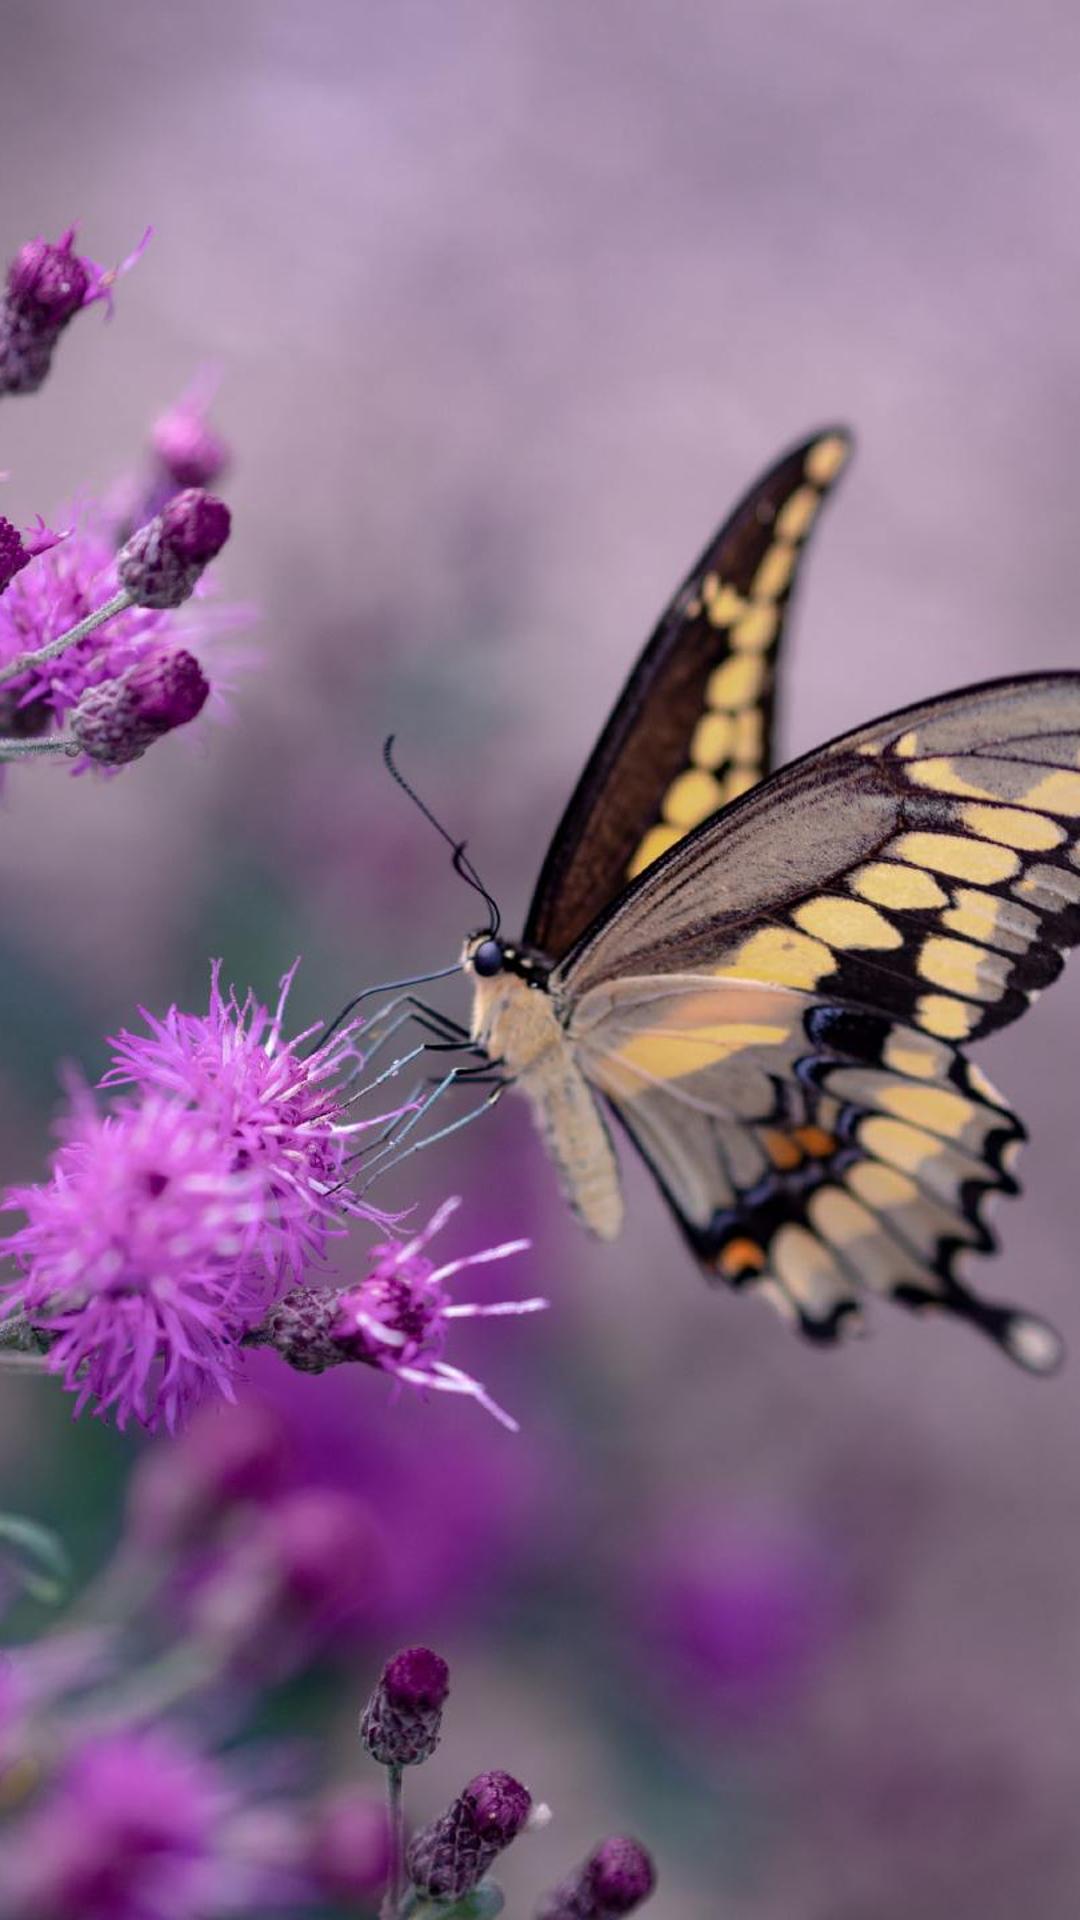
487 956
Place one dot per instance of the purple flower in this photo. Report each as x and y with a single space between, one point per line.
278 1103
401 1723
17 550
449 1858
161 562
71 578
116 722
186 1492
47 285
348 1847
613 1881
141 1259
136 1826
185 445
396 1318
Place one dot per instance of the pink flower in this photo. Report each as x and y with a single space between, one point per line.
141 1260
279 1104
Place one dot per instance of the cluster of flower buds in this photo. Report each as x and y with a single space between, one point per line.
443 1869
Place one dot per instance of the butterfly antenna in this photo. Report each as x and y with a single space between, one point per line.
462 865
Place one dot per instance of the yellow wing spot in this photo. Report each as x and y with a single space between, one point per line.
691 798
997 923
806 1268
783 1151
724 605
881 1187
1014 827
683 1051
907 746
824 461
940 1013
815 1142
905 1054
898 1143
840 1219
780 958
795 516
949 853
756 629
740 1257
963 968
937 1109
940 775
750 736
739 781
774 574
891 885
712 740
847 923
736 682
1055 793
656 842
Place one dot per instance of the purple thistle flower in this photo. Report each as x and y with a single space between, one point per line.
140 1260
48 283
449 1858
401 1723
278 1104
17 550
116 722
613 1881
161 562
71 578
395 1319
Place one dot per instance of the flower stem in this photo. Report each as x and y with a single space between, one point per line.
37 749
395 1805
26 661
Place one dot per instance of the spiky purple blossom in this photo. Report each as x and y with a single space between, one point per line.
48 283
395 1319
615 1880
401 1722
449 1858
18 549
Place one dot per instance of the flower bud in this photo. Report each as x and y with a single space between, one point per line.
162 561
116 722
401 1723
614 1880
449 1858
301 1328
186 446
48 283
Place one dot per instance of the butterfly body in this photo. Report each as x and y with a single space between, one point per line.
770 982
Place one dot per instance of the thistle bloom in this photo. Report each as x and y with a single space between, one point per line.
48 283
401 1723
613 1881
396 1318
170 1225
449 1858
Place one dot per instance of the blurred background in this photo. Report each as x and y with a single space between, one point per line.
508 305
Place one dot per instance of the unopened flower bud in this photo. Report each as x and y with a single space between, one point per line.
401 1723
116 722
162 561
187 447
49 281
449 1858
613 1881
301 1328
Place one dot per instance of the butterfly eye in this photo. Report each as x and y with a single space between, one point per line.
488 959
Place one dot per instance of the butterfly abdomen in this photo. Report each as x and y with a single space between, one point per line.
519 1029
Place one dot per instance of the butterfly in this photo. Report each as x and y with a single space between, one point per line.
771 982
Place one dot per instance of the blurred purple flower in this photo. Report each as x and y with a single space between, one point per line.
48 283
280 1103
737 1612
613 1881
138 1825
181 1495
396 1318
141 1259
188 451
347 1854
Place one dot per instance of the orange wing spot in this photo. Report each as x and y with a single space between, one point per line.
815 1142
740 1257
782 1148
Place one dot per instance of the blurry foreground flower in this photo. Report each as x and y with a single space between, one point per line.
173 1223
613 1881
188 451
48 283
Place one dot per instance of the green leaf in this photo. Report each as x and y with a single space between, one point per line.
37 1557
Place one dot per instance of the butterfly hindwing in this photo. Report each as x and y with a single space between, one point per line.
811 1154
693 728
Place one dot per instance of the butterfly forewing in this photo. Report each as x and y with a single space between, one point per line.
693 729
